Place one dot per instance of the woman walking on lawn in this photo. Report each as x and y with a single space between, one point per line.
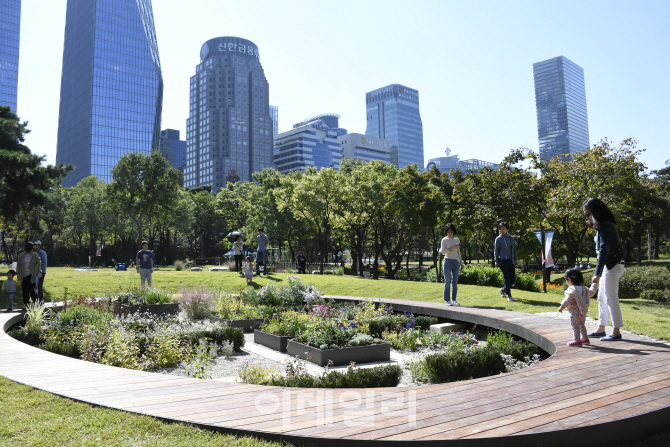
577 302
609 267
506 258
451 249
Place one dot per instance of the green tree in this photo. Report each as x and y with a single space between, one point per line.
24 182
140 185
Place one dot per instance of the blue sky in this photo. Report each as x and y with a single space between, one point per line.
472 62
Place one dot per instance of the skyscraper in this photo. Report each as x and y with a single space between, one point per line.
10 25
393 114
172 148
560 98
111 88
310 143
229 129
274 114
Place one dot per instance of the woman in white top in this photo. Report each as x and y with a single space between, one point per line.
238 247
453 263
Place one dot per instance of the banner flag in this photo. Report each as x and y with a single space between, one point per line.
548 239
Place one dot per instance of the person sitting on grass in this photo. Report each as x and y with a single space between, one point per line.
9 287
577 302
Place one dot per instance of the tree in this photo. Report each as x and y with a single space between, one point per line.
140 185
489 196
24 182
609 173
312 198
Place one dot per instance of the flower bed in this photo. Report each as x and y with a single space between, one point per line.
153 309
376 352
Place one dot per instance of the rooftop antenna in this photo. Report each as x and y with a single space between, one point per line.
447 151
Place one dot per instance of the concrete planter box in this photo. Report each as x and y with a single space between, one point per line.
272 341
380 352
245 325
153 309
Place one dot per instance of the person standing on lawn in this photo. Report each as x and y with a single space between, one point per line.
28 271
609 267
506 258
238 249
451 249
262 254
43 258
145 264
302 262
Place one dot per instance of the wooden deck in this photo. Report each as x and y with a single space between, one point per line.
603 393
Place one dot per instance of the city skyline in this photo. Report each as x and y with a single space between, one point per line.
473 68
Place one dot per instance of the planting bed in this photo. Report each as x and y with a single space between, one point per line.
272 341
379 352
153 309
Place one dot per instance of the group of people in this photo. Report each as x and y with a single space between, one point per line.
243 263
609 268
31 268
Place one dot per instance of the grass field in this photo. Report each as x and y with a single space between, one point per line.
640 316
36 418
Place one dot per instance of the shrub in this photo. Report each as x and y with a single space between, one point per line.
122 350
403 340
197 303
485 275
338 271
156 296
526 281
462 363
37 315
62 348
178 266
377 377
327 335
193 332
28 336
635 280
79 316
164 351
289 323
361 340
227 348
662 296
429 275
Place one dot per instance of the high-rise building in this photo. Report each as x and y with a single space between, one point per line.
274 114
173 149
10 27
111 92
560 98
229 129
364 147
393 114
451 162
310 143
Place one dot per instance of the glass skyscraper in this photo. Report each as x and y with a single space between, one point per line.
229 129
111 87
10 23
173 149
274 114
560 98
393 114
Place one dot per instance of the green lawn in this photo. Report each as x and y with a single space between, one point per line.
36 418
640 316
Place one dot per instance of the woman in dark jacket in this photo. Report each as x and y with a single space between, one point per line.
609 267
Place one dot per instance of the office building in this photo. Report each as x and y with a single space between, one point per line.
229 131
446 164
111 86
173 149
365 147
560 98
451 162
274 115
310 143
393 114
10 27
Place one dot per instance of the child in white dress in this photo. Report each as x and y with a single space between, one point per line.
248 270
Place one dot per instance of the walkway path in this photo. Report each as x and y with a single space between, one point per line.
579 396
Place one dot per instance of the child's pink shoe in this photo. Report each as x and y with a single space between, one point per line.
575 343
585 341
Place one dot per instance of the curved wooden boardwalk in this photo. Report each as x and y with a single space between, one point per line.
587 396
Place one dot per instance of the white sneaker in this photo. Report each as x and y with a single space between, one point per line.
448 303
456 303
502 292
509 298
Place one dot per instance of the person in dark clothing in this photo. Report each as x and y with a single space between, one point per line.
506 258
609 267
302 262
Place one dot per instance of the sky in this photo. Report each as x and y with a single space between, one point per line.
472 62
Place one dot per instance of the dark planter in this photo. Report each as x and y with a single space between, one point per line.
154 309
380 352
246 325
272 341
